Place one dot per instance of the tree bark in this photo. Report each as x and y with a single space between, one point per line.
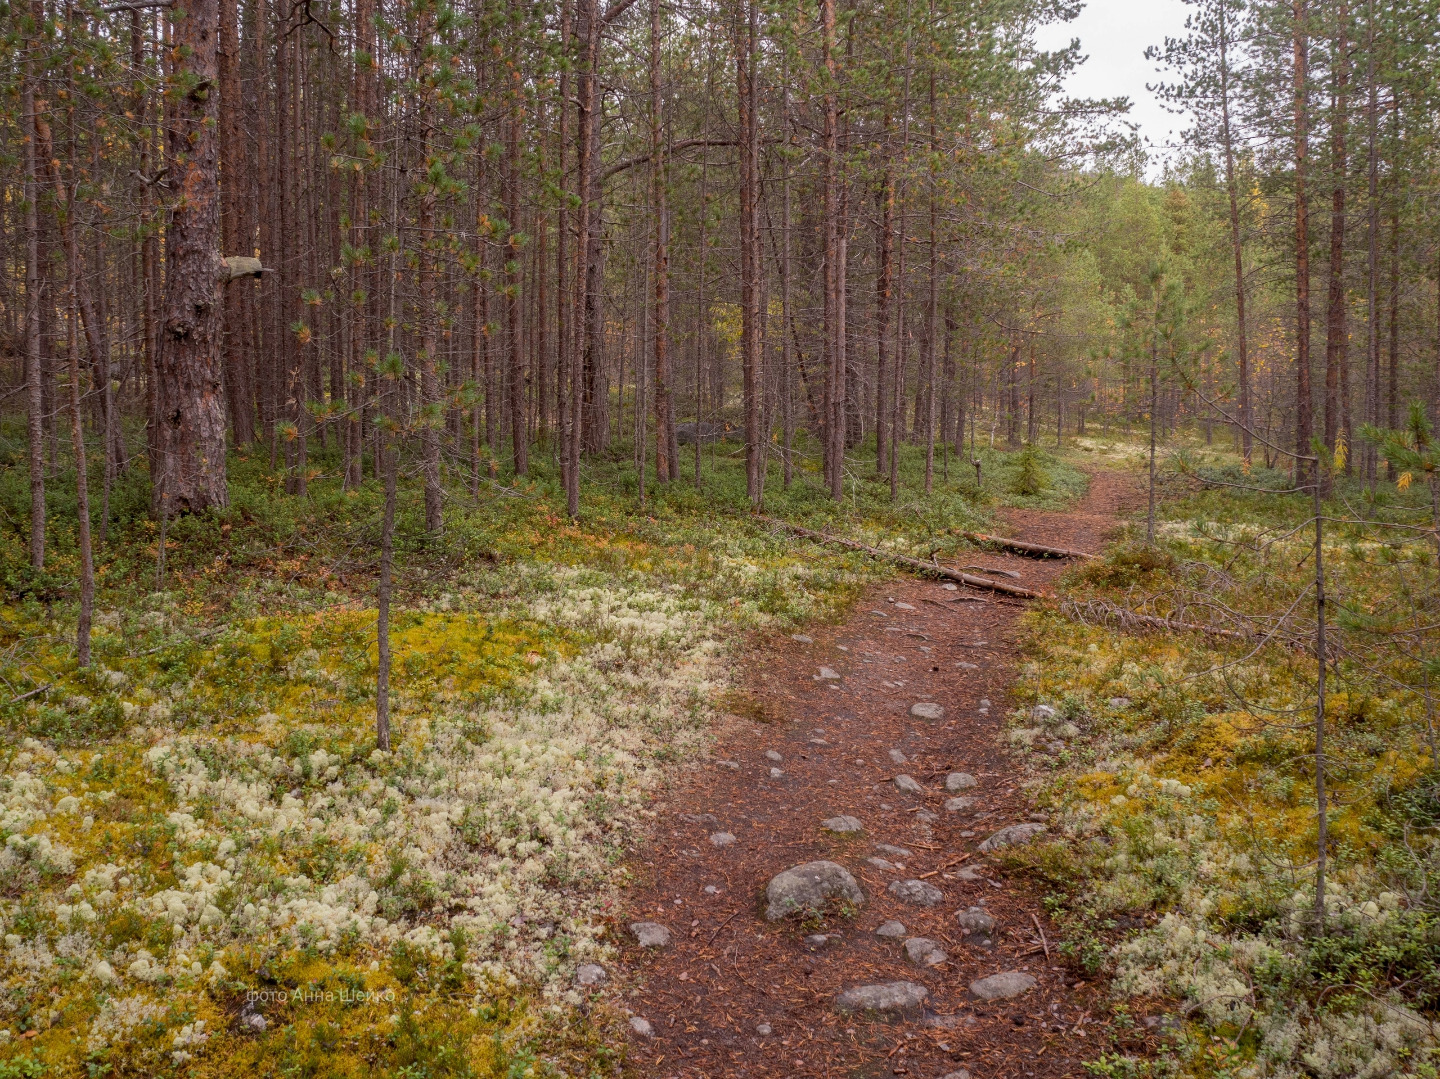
34 375
885 244
519 443
190 385
667 464
1336 340
1301 92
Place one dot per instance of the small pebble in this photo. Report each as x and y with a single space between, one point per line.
842 824
775 773
905 606
927 710
802 638
732 765
826 674
722 839
887 848
712 889
772 755
891 930
968 666
950 587
765 1030
642 1027
898 757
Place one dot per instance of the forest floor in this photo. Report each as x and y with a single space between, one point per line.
736 995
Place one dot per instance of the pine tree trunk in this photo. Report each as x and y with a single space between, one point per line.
1336 340
1303 421
190 388
34 375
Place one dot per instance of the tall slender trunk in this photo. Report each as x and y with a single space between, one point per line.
885 244
589 28
388 455
514 280
745 64
34 376
564 354
1301 88
667 467
82 484
786 376
834 399
1336 340
425 304
1372 242
235 364
932 328
1392 394
1236 245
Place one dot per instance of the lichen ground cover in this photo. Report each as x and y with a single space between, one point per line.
216 871
1182 857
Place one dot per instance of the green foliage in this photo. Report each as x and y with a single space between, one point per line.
1031 476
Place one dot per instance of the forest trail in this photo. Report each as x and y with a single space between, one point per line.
732 994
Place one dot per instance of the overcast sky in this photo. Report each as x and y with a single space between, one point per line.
1114 35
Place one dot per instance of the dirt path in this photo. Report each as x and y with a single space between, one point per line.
735 995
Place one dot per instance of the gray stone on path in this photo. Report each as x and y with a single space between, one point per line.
827 675
590 975
722 839
924 952
890 848
949 587
927 710
819 940
802 638
968 872
1011 836
905 606
888 998
920 893
881 863
773 755
924 816
956 805
1043 713
961 1074
810 887
960 781
968 666
642 1027
765 1030
732 765
776 773
976 920
891 930
1003 986
908 784
842 824
650 934
898 757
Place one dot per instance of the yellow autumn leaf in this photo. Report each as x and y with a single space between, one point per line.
1402 481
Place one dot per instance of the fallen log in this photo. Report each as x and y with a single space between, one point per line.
920 566
1021 547
1108 614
